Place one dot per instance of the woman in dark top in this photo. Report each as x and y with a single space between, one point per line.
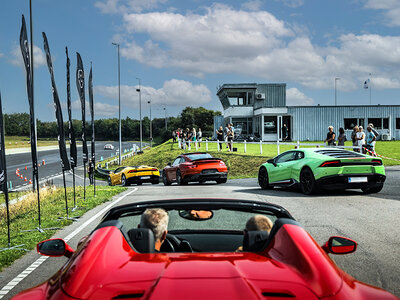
330 137
220 136
341 137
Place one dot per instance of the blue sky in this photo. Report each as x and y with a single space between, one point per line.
183 50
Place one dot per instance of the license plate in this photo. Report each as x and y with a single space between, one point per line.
358 179
145 177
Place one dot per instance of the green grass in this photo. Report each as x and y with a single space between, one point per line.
12 142
23 216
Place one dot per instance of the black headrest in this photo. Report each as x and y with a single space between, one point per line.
142 239
254 241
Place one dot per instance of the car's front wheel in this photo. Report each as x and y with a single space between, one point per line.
263 180
109 180
123 180
165 179
179 178
308 185
372 190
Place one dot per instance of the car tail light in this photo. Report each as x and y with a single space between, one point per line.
331 163
191 166
154 169
377 162
133 171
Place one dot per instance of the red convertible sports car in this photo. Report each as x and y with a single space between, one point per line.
200 258
198 167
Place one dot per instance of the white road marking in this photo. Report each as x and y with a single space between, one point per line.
9 286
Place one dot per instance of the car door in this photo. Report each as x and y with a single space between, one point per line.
281 172
171 170
118 174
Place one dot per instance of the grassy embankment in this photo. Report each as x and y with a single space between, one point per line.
23 142
240 164
23 216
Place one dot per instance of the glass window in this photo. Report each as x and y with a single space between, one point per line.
377 122
199 156
385 123
270 124
361 122
289 156
397 123
176 161
299 155
350 123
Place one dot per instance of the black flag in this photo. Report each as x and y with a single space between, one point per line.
92 112
80 84
57 107
73 151
23 41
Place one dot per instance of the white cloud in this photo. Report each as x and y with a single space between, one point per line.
292 3
296 98
126 6
174 92
252 5
39 58
100 109
390 8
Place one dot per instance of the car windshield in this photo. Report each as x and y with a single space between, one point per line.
222 219
198 156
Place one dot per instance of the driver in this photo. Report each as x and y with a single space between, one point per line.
257 223
155 219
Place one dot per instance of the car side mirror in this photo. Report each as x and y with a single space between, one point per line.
271 161
340 245
54 248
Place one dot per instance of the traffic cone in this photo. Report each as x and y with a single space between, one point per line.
26 179
30 181
43 162
26 168
21 176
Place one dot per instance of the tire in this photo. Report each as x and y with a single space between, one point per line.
221 180
123 180
109 181
156 181
263 180
308 185
179 178
165 180
372 190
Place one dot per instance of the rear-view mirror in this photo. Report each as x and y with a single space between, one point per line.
54 248
340 245
271 161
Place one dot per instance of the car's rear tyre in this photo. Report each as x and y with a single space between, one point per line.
372 190
123 180
165 179
263 180
179 178
109 181
155 181
308 185
221 180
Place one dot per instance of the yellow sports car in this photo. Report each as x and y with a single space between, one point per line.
136 174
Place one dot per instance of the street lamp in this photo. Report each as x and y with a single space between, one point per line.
165 111
119 105
151 131
336 79
139 90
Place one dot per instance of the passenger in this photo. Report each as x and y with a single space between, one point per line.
257 223
156 219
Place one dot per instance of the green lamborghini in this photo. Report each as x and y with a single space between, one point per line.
312 169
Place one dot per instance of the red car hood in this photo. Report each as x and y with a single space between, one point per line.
107 267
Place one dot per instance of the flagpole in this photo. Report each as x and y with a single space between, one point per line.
370 90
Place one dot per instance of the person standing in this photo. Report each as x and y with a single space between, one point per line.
330 137
194 135
220 137
354 138
360 138
341 137
227 128
173 136
284 132
376 133
199 136
230 138
370 139
178 135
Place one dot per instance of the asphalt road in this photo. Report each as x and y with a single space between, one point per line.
52 166
371 220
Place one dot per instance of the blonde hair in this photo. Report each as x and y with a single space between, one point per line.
259 222
155 219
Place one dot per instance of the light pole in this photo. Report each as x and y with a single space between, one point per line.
165 111
140 111
151 131
119 105
336 79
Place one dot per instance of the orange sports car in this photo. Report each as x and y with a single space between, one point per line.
197 166
136 174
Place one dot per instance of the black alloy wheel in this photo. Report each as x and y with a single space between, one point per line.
263 179
109 180
308 185
123 180
179 178
165 179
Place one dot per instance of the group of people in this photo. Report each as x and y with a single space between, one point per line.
359 138
156 219
186 137
226 136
